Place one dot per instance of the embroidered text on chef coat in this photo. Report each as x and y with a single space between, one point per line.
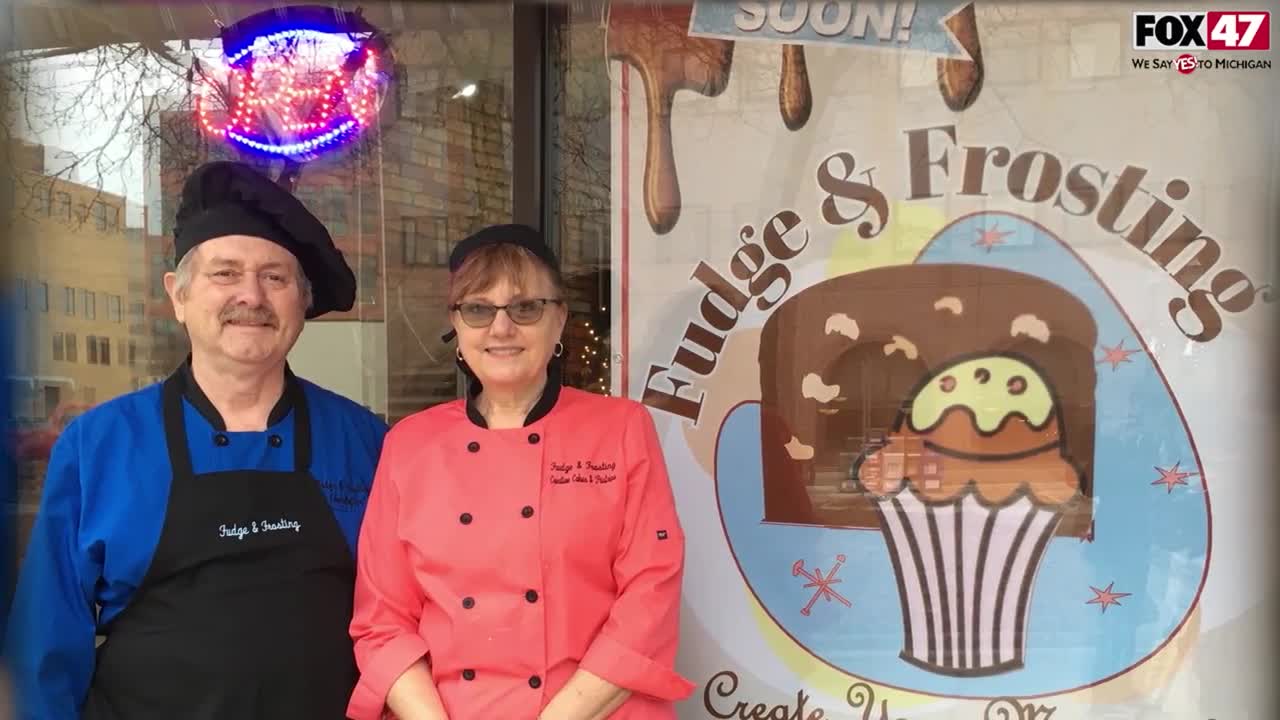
583 472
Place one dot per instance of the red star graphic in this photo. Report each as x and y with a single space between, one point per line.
1172 476
1106 597
990 238
1116 355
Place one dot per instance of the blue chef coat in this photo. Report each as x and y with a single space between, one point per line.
103 508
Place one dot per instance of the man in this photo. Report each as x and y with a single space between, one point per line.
205 527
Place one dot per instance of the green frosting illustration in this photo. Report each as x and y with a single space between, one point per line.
992 387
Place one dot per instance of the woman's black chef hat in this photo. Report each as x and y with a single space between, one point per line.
511 234
229 198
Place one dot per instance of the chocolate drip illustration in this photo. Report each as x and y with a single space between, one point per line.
654 40
795 100
961 80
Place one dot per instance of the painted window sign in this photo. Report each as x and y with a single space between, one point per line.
939 390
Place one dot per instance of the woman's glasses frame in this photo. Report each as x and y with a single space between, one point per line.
526 311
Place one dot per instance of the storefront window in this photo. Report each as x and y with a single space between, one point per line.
103 128
949 315
827 228
577 194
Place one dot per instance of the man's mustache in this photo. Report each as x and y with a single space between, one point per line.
239 313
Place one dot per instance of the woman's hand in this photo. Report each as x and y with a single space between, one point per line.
585 697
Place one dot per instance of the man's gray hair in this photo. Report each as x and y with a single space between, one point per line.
186 268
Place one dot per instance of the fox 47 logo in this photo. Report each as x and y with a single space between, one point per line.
1217 30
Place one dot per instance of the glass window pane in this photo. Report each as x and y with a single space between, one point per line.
409 237
578 192
105 131
367 279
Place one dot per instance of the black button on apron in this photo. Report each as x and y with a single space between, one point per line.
468 674
221 440
251 584
534 438
468 602
276 441
473 446
535 682
527 511
465 518
531 596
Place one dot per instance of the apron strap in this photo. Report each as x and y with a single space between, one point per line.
301 423
175 427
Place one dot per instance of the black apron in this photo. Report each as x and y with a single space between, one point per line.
244 611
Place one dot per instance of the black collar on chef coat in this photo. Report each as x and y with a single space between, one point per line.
192 392
550 394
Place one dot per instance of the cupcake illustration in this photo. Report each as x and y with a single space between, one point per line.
969 486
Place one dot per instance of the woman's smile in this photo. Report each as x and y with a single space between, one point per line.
504 351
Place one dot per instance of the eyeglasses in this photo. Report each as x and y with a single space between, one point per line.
521 312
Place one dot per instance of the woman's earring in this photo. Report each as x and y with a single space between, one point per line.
559 349
459 354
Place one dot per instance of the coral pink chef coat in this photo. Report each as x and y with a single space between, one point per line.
510 558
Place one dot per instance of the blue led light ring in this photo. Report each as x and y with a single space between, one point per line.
338 125
264 43
343 132
297 20
260 143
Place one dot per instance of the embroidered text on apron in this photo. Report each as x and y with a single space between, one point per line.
244 611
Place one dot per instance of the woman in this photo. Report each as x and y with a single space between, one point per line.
521 556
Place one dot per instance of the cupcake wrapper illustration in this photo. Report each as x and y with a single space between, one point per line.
965 571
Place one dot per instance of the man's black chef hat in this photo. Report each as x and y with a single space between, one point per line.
228 198
511 234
